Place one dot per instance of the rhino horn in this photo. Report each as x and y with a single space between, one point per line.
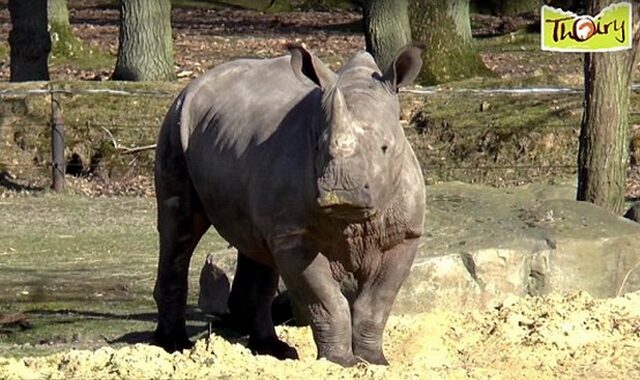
343 137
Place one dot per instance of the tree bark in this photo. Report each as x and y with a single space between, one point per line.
145 50
387 29
444 28
63 42
604 133
29 40
58 12
509 7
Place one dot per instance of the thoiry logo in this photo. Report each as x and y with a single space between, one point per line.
565 31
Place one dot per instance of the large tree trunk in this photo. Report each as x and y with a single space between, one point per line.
62 39
29 40
145 50
604 133
444 28
387 29
509 7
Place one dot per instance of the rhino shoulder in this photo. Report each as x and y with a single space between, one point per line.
413 193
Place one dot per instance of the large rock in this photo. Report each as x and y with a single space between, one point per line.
483 243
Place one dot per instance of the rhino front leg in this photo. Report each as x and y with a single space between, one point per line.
254 287
375 297
308 278
181 224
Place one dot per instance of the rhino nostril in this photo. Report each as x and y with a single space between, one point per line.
366 186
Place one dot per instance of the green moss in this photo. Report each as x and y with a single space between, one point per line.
63 42
447 55
69 50
4 50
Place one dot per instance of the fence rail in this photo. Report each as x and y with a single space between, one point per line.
57 123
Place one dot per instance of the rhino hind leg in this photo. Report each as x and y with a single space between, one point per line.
252 292
375 297
181 223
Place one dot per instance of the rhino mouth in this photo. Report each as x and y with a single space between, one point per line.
348 212
350 205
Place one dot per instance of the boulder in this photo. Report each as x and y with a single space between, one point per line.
483 243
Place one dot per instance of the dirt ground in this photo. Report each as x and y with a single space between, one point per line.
572 336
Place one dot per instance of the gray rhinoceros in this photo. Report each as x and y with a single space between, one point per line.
309 175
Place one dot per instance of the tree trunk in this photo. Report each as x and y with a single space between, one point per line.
444 28
145 50
604 134
63 42
29 40
508 7
387 29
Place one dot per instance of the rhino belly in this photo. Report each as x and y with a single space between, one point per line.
223 194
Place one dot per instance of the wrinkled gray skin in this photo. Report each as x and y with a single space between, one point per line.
308 174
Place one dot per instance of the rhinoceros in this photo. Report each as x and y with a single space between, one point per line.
308 173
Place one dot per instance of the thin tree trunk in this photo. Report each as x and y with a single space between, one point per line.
145 49
444 28
387 29
604 133
29 40
58 12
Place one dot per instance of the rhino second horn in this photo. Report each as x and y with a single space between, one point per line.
343 137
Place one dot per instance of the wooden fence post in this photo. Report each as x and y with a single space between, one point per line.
57 143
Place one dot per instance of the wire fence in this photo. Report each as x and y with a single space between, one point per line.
102 130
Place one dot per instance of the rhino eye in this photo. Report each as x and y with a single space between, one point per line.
384 148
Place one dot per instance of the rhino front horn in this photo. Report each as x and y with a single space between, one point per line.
343 138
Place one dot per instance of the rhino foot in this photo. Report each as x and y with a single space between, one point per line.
172 342
372 358
273 347
345 361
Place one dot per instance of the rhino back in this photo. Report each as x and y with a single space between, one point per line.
244 133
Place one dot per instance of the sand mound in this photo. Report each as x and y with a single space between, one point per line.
556 336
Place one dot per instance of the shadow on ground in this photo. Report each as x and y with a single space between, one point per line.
7 182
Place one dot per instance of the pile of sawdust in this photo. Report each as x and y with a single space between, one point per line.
556 336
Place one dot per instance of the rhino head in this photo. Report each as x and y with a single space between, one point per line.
359 141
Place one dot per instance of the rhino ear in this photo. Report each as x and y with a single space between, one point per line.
307 66
404 68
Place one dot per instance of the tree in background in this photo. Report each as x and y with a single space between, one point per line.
604 132
387 29
29 40
444 28
63 42
145 50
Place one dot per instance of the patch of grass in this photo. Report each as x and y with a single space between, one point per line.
4 51
132 121
82 57
196 4
497 139
520 40
82 269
